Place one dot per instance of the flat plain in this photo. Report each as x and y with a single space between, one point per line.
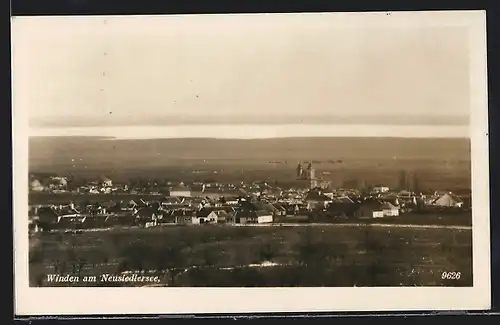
438 163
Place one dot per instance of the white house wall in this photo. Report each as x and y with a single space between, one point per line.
211 218
265 219
180 193
391 212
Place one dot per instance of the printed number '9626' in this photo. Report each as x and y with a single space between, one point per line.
450 275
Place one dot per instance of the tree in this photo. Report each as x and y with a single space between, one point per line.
267 252
133 256
369 242
339 251
36 256
210 257
311 253
81 262
60 266
169 259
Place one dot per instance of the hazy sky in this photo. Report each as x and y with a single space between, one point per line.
137 68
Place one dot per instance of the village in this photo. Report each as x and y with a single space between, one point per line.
200 203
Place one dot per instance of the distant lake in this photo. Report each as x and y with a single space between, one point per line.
258 131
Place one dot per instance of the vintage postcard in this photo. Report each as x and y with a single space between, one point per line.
250 163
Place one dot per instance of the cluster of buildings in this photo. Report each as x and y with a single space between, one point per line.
228 204
61 184
215 203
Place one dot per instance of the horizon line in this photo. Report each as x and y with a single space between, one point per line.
259 131
102 137
268 119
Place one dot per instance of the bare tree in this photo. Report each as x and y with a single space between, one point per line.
268 252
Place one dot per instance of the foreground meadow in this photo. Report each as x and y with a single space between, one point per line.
257 256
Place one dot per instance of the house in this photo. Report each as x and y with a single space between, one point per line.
342 209
228 194
390 210
174 207
120 219
280 209
260 216
87 208
268 207
110 205
147 214
220 214
230 200
448 200
93 222
36 186
155 205
211 194
58 183
180 191
53 214
223 216
296 209
380 189
106 182
83 189
264 216
33 212
69 222
182 215
165 217
121 188
169 200
117 207
315 199
227 208
183 220
133 205
343 199
204 216
292 209
46 216
150 224
370 209
406 195
391 198
94 191
33 226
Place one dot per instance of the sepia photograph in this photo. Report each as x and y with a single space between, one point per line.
251 157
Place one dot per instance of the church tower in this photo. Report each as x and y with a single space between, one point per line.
311 176
300 171
308 174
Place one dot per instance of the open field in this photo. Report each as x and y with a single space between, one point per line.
437 163
60 150
230 256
